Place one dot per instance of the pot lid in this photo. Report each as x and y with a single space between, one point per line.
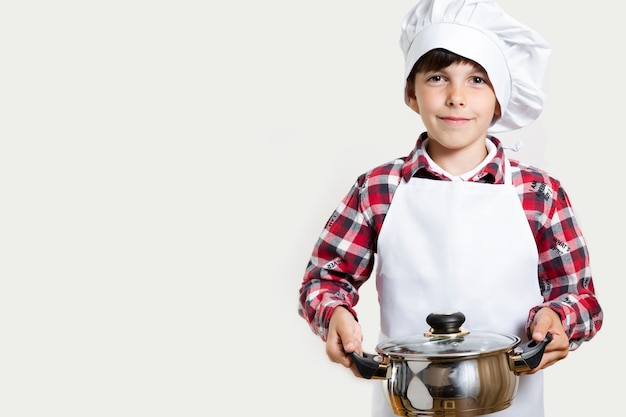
446 339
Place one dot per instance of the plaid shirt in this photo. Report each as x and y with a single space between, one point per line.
343 257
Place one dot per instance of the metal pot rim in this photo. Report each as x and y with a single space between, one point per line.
428 347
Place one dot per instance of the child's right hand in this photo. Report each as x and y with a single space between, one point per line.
344 336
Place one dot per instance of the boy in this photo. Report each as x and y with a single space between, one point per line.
456 225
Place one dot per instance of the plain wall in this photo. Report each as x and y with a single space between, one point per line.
166 167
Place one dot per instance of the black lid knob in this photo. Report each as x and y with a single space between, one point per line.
446 323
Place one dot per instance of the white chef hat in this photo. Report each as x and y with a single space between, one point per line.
514 56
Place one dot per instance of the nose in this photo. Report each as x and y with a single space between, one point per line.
456 95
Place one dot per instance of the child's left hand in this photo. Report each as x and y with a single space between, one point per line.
546 320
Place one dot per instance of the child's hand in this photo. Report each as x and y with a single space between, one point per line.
546 320
344 336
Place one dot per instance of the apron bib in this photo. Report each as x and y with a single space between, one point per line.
458 246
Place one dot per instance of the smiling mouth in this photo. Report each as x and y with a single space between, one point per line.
454 120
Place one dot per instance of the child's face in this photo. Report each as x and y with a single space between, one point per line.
456 104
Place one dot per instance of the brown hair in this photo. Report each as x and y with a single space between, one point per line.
439 58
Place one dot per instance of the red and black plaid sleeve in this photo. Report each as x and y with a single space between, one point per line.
564 271
343 257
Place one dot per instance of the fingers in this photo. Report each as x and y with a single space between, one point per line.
547 321
344 336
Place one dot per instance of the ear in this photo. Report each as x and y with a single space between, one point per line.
409 97
498 110
412 102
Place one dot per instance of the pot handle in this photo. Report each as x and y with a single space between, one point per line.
371 366
528 356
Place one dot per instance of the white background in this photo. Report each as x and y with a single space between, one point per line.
165 169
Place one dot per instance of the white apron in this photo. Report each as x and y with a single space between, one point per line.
458 246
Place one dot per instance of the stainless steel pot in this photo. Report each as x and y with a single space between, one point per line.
449 371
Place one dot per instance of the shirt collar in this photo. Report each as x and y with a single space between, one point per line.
416 165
